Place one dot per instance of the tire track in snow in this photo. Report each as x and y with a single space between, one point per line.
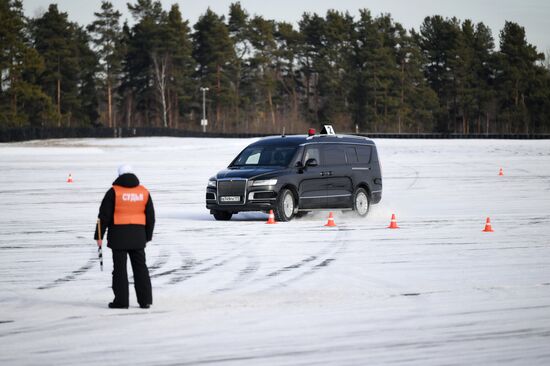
296 265
536 175
160 262
253 265
323 263
191 267
186 265
184 277
196 270
188 262
305 267
415 178
86 267
71 276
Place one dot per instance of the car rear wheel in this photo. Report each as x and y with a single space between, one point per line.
222 215
284 210
361 202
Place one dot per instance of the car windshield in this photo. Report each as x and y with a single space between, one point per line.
265 156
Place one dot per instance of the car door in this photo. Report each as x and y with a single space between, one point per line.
338 176
312 187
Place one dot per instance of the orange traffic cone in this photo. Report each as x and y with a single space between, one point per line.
330 221
501 172
271 219
70 179
393 223
488 228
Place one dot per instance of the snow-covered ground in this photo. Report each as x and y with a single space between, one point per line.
438 291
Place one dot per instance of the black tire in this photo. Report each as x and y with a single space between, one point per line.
361 202
222 215
282 210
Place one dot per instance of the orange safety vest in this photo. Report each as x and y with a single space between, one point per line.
130 205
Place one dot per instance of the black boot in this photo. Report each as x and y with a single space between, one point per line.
113 305
145 306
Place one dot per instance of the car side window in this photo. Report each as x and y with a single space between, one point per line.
364 154
254 158
351 155
312 152
334 155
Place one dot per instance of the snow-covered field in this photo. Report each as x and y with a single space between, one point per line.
438 291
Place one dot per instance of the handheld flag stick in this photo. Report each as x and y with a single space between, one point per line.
99 249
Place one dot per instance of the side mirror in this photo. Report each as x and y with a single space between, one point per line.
298 164
311 162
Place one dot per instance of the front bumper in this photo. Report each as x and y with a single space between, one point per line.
261 198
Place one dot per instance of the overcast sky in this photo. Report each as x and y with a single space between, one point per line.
534 15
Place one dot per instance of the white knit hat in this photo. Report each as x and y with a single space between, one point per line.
124 169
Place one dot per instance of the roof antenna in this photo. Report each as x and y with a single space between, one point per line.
283 135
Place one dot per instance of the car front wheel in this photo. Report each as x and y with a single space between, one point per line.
361 202
284 210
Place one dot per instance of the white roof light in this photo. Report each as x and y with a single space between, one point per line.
327 130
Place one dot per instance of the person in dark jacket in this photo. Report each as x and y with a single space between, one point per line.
127 212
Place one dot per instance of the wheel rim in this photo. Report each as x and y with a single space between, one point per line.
288 205
361 203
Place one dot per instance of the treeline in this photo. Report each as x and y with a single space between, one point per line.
360 73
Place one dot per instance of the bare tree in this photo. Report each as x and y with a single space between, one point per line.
160 64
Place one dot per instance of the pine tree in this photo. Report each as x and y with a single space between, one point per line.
442 44
483 72
143 41
517 71
418 103
311 29
88 67
387 75
22 101
107 36
213 51
178 48
239 32
464 78
263 64
365 45
53 39
289 43
333 68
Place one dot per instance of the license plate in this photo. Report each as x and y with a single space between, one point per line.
230 198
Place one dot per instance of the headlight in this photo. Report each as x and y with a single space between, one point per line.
212 183
265 182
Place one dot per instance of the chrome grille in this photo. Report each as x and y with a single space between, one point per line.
232 188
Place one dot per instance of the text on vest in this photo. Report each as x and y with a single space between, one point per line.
132 197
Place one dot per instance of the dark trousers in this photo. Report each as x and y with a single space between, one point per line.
142 281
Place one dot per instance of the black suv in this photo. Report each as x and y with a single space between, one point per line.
292 175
